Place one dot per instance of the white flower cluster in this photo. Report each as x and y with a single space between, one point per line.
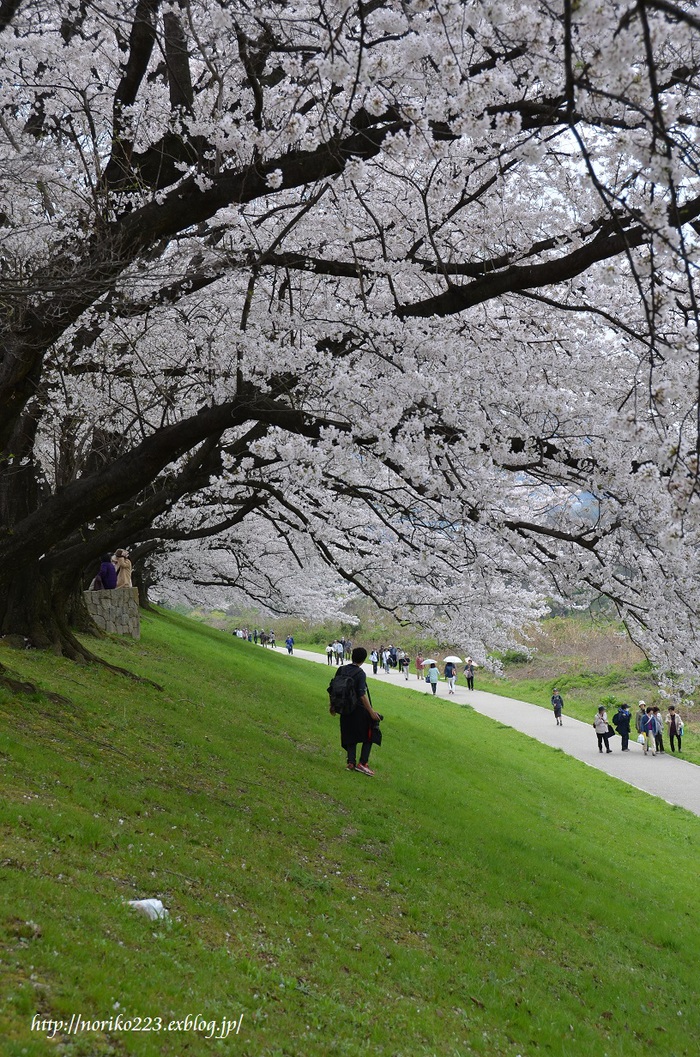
404 300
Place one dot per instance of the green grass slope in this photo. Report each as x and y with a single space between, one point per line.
483 895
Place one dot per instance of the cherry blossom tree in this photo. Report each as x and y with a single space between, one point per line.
409 283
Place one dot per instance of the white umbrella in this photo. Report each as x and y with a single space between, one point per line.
429 661
454 660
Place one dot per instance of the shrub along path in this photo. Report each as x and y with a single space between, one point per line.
664 775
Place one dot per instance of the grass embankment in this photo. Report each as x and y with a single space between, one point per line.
483 895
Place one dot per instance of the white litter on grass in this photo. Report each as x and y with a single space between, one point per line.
152 908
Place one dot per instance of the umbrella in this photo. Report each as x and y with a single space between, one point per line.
429 661
453 659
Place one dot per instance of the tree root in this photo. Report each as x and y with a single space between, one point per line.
128 674
16 686
74 650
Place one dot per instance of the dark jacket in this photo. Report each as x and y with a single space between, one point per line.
108 575
356 726
621 721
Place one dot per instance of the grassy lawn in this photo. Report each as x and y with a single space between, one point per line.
483 895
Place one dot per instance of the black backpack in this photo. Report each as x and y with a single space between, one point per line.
343 691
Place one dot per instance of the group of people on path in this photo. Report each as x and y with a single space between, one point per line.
114 572
647 722
259 636
431 674
389 657
393 658
650 728
338 651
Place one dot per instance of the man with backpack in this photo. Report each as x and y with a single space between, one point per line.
350 700
557 705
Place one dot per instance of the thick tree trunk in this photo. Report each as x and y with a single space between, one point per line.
36 607
35 603
143 582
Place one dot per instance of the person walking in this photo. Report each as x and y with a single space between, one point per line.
374 659
329 653
356 726
639 719
469 672
675 727
433 676
658 728
648 732
289 642
404 665
621 722
601 728
557 705
420 666
450 675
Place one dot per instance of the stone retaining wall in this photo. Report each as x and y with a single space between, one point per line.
116 611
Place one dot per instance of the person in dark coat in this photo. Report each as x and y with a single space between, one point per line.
108 573
675 726
557 705
621 722
356 727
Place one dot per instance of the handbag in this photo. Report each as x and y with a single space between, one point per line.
611 730
641 739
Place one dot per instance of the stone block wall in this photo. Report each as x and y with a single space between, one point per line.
116 611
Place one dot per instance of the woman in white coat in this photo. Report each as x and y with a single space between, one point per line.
601 728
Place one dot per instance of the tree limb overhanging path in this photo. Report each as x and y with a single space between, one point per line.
666 776
215 216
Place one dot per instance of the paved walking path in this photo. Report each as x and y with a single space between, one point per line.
664 775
